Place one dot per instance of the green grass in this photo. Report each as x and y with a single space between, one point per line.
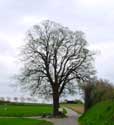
64 111
100 114
25 110
22 121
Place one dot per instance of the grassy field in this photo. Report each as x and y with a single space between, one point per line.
100 114
24 110
79 108
22 121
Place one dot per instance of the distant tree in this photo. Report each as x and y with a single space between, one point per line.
2 99
54 58
22 99
8 99
15 99
34 100
78 101
29 99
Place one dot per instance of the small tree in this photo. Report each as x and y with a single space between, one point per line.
29 99
2 99
54 57
22 99
16 99
8 99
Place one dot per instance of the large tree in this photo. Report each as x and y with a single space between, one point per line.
54 58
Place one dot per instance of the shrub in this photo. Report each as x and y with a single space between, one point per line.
97 91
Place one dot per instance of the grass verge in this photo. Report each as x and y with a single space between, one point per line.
100 114
22 121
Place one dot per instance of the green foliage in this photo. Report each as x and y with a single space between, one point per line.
64 111
22 121
78 102
100 114
25 110
4 102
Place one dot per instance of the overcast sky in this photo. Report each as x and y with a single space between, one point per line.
94 17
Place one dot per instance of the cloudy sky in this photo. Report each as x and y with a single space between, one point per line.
94 17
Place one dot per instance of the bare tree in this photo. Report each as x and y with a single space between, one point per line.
8 99
2 99
22 99
29 99
54 57
16 99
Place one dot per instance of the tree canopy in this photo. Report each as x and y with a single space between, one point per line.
54 58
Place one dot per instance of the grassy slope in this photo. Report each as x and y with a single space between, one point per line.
22 121
24 110
100 114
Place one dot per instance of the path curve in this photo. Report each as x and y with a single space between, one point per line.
72 119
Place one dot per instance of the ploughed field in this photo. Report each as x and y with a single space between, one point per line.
22 121
79 108
24 110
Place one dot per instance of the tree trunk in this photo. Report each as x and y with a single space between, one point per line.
56 105
87 99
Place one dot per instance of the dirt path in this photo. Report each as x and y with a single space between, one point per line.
72 119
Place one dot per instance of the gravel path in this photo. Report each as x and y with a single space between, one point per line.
72 119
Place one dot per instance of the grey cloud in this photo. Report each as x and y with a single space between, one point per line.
95 20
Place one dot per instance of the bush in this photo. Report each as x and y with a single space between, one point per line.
97 91
78 102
